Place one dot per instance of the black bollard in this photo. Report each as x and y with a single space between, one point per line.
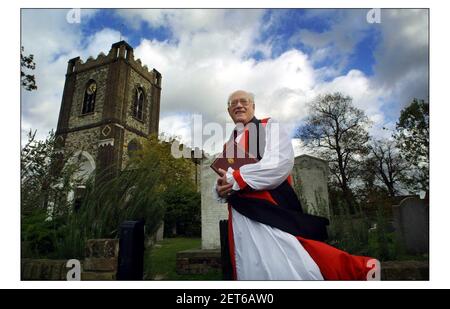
131 251
227 268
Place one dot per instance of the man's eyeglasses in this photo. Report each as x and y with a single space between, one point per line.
234 103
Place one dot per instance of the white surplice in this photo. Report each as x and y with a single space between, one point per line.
263 252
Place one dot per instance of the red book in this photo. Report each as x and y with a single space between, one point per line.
233 156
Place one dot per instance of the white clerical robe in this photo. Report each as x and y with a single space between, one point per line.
263 252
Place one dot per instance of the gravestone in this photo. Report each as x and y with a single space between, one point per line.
310 181
411 220
310 177
160 233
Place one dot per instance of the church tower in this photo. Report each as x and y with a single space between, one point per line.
109 104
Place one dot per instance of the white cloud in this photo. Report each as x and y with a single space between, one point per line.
188 22
207 57
335 43
404 45
53 41
356 84
282 86
401 68
100 42
47 35
181 124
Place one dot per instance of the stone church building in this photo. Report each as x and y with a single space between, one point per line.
108 105
111 103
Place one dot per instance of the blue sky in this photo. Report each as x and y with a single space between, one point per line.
285 56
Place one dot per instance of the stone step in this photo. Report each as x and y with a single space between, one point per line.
98 276
100 264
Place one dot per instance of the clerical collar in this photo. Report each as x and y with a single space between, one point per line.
240 128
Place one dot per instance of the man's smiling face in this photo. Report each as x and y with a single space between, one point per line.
240 107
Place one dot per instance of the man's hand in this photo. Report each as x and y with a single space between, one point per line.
223 187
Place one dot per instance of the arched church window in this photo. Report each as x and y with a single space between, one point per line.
138 104
89 97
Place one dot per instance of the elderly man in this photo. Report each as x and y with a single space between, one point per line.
269 236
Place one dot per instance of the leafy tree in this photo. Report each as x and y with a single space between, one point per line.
413 140
136 193
47 176
46 180
182 210
337 131
51 226
28 81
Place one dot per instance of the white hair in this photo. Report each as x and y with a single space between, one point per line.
249 94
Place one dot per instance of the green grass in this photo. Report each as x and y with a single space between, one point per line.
160 261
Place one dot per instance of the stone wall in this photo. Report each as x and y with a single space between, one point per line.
198 261
405 270
212 210
204 261
101 259
100 76
43 269
86 140
100 263
135 81
128 137
117 76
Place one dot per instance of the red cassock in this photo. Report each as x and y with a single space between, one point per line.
270 238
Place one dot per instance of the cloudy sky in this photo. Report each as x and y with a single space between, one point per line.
286 57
